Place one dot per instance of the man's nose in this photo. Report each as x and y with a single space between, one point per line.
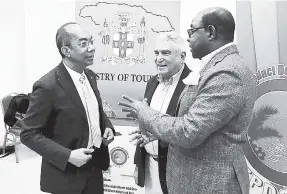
188 39
91 48
159 59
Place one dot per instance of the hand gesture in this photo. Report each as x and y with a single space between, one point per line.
132 106
141 138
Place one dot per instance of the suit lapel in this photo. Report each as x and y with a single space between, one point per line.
179 88
67 83
150 90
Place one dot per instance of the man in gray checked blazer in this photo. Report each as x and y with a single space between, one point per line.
205 154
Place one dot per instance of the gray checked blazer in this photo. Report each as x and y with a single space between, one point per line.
205 155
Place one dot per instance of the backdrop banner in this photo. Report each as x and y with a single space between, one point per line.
125 34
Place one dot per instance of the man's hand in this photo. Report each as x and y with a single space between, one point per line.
136 137
80 156
133 106
148 137
108 136
141 138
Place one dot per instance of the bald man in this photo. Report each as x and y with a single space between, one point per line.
65 122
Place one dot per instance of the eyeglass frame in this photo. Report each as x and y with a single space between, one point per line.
191 31
88 42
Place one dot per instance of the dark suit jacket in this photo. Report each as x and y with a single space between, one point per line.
140 153
56 123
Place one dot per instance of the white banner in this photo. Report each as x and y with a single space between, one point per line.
119 177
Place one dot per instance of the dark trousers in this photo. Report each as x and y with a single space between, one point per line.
93 182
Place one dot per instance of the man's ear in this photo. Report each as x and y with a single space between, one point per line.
183 55
212 32
66 51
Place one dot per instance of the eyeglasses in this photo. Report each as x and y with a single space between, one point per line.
86 43
191 31
82 43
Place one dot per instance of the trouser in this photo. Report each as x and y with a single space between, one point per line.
93 185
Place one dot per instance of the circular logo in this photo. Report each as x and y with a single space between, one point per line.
266 148
119 156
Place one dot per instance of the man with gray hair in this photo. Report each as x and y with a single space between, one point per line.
162 92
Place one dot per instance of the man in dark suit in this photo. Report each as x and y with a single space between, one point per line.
213 114
162 93
65 122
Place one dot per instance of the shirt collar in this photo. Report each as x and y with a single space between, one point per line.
208 57
172 79
73 73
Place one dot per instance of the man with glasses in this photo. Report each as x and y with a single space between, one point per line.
65 122
213 114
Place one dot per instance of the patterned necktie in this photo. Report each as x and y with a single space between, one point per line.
92 113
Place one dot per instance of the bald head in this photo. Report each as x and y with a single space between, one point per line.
63 36
221 19
209 30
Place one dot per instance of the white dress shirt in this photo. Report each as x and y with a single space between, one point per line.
160 102
91 106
